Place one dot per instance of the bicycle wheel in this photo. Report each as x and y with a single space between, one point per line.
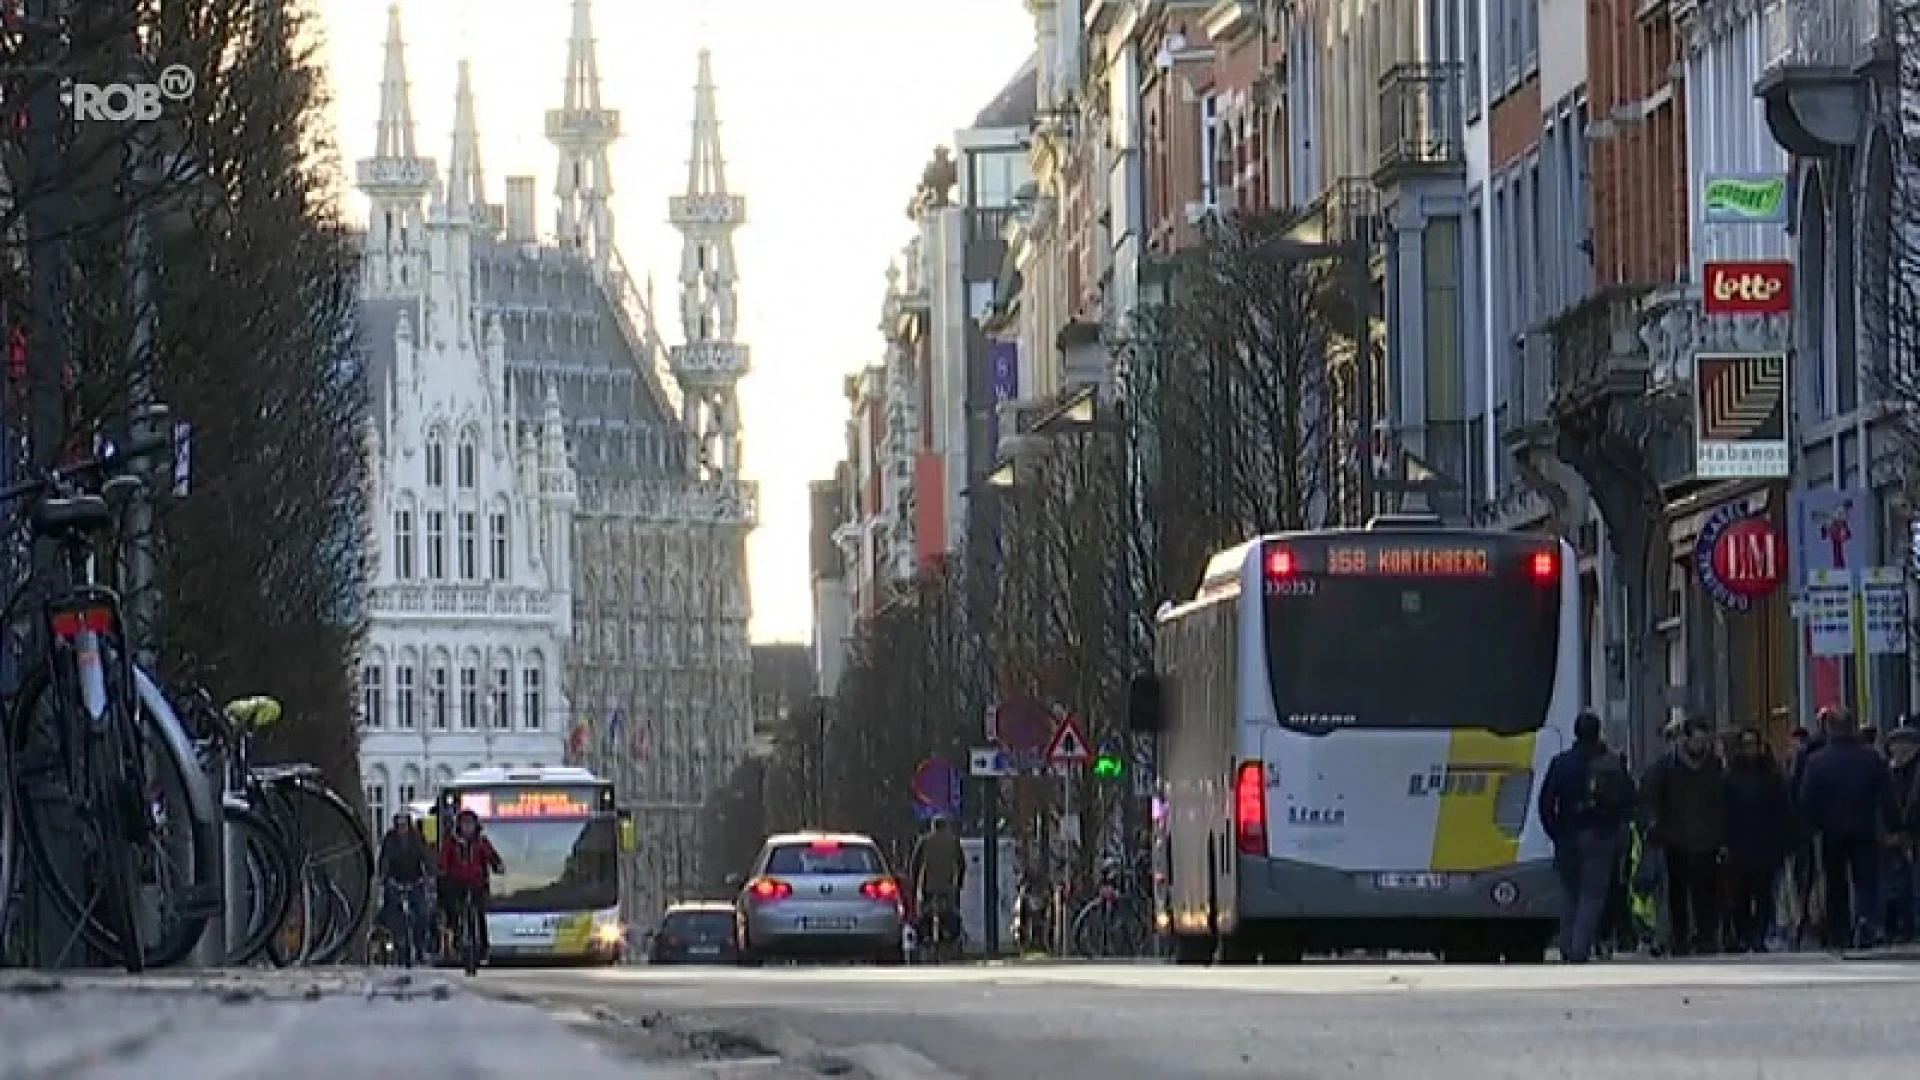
269 884
175 864
10 853
337 855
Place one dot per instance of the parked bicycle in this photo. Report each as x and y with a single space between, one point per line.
309 858
100 808
1117 920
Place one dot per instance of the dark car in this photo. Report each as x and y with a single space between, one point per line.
695 933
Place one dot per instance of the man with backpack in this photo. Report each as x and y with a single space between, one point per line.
1586 803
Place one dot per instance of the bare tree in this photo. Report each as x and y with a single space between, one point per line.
233 302
734 823
1254 423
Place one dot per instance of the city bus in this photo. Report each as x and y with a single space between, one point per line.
1352 728
560 836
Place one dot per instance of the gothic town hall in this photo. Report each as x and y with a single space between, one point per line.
560 520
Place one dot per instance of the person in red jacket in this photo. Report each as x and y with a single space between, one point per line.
467 861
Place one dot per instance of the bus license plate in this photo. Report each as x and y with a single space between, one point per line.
826 924
1411 882
704 950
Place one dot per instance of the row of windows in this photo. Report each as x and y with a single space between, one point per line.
466 461
409 553
438 709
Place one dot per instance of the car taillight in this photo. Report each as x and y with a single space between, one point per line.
1250 809
881 889
766 890
1281 564
669 941
1543 568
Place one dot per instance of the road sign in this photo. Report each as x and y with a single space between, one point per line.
1022 725
1069 745
989 761
936 788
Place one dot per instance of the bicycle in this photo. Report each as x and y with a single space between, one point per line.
406 903
1115 922
105 772
940 937
301 840
468 928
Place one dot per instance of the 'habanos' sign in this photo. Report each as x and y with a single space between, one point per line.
1749 288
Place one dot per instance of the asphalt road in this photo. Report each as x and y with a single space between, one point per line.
1720 1020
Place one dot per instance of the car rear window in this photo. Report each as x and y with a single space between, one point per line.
824 859
698 922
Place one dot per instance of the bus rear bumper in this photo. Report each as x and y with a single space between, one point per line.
1284 889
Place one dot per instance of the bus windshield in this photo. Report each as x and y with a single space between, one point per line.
1350 651
556 865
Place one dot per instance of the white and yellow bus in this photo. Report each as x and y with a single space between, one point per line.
1352 729
560 836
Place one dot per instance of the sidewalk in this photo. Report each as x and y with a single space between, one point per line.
304 1025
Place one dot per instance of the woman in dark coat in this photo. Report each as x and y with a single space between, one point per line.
1759 836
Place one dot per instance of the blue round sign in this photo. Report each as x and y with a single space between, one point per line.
936 787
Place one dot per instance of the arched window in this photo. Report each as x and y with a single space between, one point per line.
403 540
499 540
436 460
502 691
440 693
409 786
533 692
373 690
377 788
467 461
470 693
406 715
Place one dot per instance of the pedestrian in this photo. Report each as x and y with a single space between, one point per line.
1760 829
1685 801
1586 801
1903 836
1846 795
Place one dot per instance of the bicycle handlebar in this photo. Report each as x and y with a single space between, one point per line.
113 461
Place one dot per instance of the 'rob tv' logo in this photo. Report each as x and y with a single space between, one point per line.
119 102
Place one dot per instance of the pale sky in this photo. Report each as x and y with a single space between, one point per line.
829 110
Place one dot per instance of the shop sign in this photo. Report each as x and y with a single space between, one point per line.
1739 557
1749 288
1744 199
1740 416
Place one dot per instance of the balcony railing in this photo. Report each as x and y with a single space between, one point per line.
1821 33
1530 388
1422 122
1347 212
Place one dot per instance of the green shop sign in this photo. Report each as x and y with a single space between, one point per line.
1745 199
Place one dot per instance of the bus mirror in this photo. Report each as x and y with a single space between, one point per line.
1143 704
629 833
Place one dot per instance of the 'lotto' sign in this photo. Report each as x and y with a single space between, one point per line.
1749 288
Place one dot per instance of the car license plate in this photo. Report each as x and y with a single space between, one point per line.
826 924
1411 882
704 950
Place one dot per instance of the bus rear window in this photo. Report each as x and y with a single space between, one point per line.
1399 652
823 859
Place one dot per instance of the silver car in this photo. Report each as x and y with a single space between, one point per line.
819 894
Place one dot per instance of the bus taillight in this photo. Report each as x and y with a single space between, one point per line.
1250 808
1281 564
1544 568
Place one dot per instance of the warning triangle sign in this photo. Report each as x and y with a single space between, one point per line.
1069 745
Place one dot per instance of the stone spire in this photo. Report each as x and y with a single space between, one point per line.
466 182
582 131
711 363
396 180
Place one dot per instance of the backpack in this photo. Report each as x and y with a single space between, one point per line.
1609 788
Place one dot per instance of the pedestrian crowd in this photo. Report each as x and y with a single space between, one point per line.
1720 847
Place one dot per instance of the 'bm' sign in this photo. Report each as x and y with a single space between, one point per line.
1749 288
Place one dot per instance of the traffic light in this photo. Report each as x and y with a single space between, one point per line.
1108 765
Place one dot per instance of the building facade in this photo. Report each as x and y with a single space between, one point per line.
561 500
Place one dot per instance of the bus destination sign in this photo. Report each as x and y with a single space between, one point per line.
1456 561
523 804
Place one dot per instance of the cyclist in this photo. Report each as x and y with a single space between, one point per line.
467 861
940 869
406 865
